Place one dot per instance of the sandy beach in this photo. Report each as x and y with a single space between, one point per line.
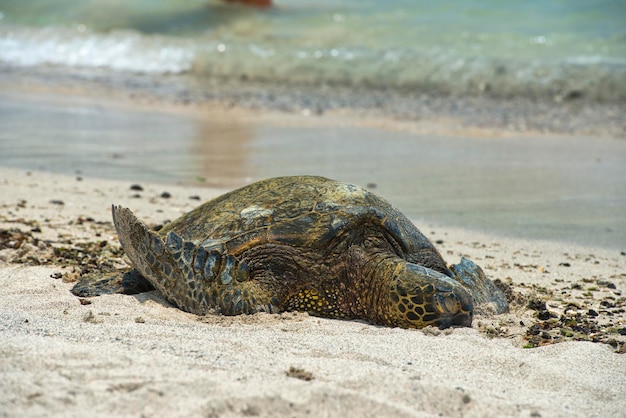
139 356
497 128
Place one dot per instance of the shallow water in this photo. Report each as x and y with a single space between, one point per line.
568 189
543 49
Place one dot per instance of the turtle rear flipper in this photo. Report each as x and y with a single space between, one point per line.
127 282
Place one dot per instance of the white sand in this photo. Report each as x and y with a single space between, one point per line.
139 356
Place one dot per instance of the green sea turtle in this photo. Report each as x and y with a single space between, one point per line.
299 244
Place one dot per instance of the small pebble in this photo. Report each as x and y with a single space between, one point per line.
57 202
565 264
136 187
194 197
166 195
543 315
607 284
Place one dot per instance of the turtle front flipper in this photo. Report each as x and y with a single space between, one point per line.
127 282
195 278
148 254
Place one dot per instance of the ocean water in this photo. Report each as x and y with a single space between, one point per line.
533 48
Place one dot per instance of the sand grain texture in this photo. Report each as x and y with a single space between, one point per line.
139 356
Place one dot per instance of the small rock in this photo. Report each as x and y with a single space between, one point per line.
56 275
84 301
543 315
136 187
194 197
566 264
299 374
371 185
166 195
607 284
140 320
90 317
57 202
592 312
536 304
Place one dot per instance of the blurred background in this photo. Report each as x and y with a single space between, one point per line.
527 99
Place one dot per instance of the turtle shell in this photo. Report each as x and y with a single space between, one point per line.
299 211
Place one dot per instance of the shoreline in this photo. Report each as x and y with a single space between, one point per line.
137 355
388 109
446 173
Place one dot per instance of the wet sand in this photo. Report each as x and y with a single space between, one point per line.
139 356
531 185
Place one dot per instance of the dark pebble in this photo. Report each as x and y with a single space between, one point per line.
371 185
84 301
622 331
606 283
623 253
439 241
57 202
136 196
56 275
543 315
536 305
79 178
592 312
136 187
565 264
166 195
194 197
157 227
36 229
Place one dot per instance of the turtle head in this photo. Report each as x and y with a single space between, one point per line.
420 297
484 292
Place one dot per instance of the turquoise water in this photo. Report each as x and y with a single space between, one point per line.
548 49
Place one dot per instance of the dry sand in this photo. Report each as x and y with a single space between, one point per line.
139 356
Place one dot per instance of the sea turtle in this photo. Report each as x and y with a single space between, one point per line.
299 243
